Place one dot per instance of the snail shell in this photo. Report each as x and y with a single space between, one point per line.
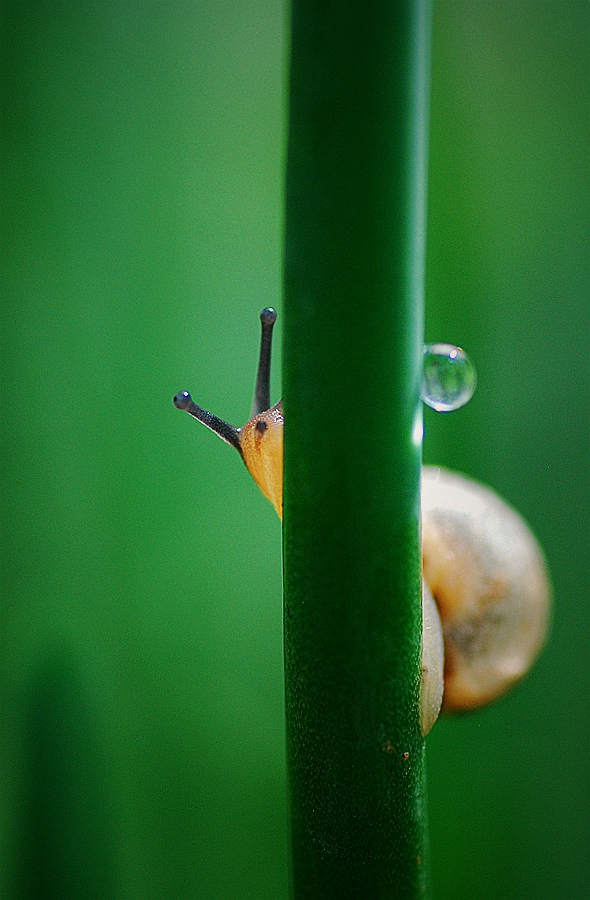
488 577
431 684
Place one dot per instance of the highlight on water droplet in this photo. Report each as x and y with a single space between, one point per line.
448 377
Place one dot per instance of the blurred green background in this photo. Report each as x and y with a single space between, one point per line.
142 709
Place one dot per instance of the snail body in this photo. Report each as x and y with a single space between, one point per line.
486 594
261 442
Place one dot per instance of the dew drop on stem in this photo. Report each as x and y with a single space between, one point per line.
448 377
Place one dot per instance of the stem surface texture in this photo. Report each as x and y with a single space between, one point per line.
353 326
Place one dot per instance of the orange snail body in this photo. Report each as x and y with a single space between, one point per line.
486 594
261 440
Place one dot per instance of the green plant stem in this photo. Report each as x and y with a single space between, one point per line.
354 269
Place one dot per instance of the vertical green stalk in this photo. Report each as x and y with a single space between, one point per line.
354 275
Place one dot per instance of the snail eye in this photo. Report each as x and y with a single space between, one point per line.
182 400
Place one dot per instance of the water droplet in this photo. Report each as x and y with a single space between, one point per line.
448 377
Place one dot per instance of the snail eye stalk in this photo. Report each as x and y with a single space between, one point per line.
228 433
261 402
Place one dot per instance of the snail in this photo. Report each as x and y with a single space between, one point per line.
260 441
486 593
